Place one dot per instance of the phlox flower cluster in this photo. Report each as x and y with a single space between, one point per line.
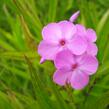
73 50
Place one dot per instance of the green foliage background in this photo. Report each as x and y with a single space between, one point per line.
24 83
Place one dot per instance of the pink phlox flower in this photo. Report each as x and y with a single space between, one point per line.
74 70
91 37
60 36
73 49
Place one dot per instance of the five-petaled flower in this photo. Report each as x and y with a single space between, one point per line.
60 36
74 70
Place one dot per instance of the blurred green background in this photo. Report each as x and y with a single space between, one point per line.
24 83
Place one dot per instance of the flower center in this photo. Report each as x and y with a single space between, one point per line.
62 42
74 66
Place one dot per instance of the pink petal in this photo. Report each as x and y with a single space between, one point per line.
78 45
88 63
81 31
64 59
91 35
79 80
47 50
61 76
92 49
74 16
42 60
68 29
52 32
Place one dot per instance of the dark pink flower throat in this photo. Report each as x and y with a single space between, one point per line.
74 66
62 42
